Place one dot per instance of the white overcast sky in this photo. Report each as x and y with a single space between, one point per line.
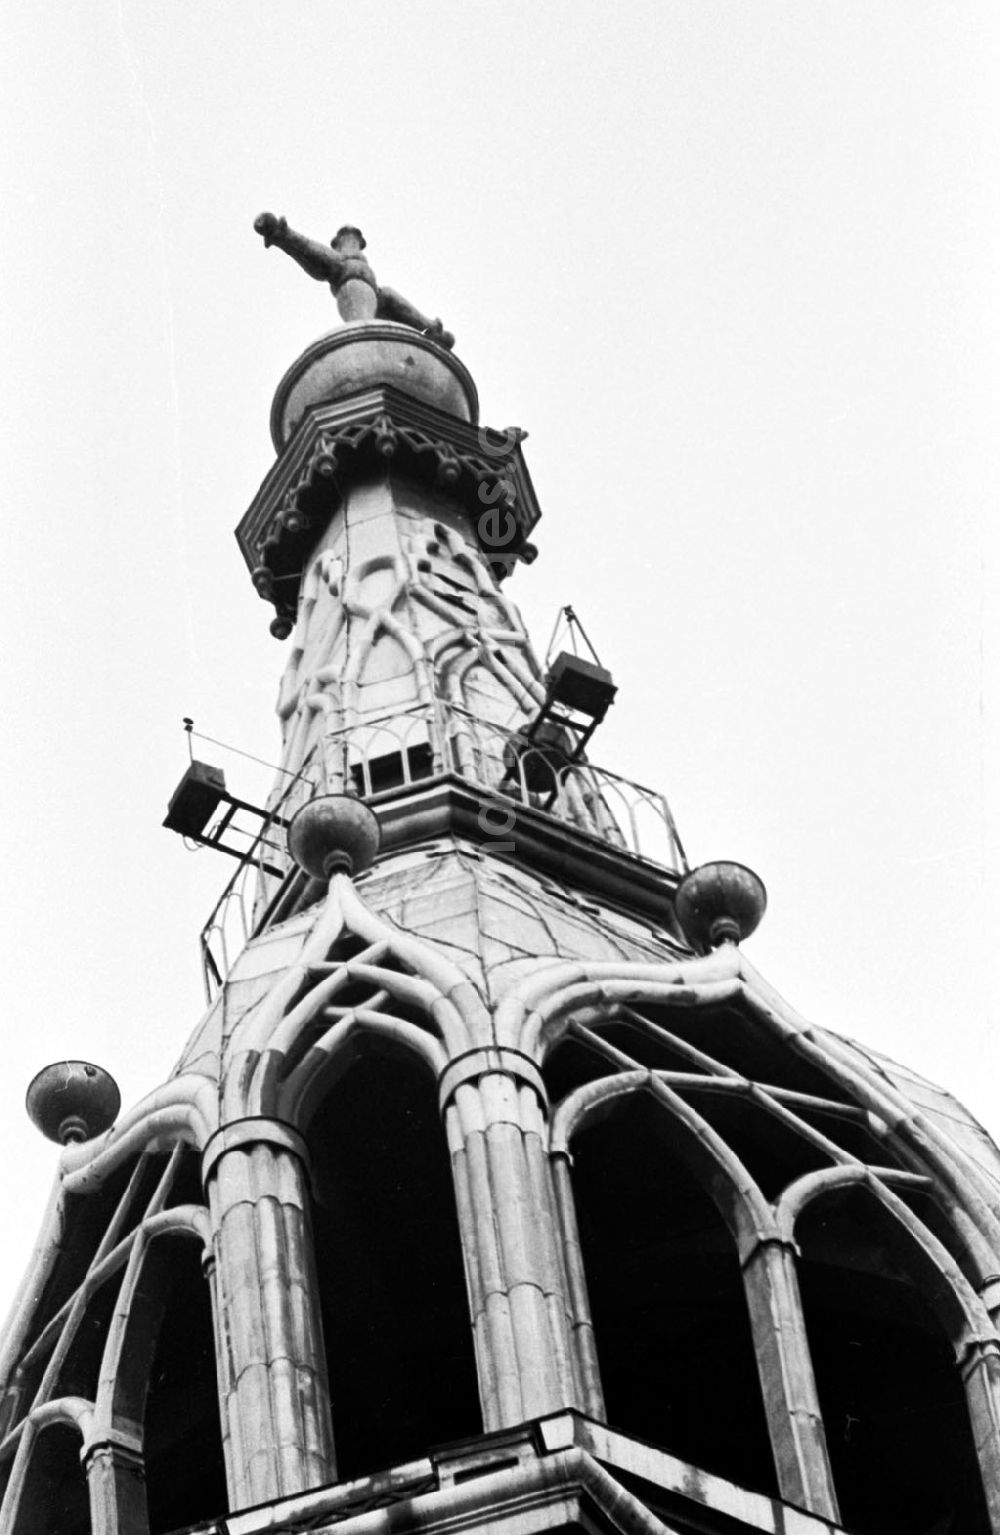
733 265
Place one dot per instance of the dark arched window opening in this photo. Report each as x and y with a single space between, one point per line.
392 1289
184 1466
670 1317
569 1066
739 1040
86 1219
771 1150
185 1184
890 1390
81 1366
54 1499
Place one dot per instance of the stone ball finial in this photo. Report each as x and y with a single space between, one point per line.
334 834
719 902
72 1101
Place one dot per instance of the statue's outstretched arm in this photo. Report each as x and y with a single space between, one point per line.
393 306
320 261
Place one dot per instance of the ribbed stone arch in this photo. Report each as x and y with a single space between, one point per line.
530 1016
539 1012
34 1370
377 619
424 979
75 1413
124 1380
381 627
79 1349
460 648
112 1453
69 1321
256 1174
330 1057
371 625
115 1440
185 1109
978 1261
269 1069
472 730
788 1387
959 1309
910 1133
514 680
103 1267
721 1174
353 580
449 647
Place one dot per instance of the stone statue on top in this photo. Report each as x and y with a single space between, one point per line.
344 266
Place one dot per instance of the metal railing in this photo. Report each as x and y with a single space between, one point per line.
372 757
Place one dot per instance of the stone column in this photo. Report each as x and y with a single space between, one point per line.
492 1100
579 1298
794 1422
117 1487
979 1360
275 1399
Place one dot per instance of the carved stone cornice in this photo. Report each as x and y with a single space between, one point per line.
449 806
350 440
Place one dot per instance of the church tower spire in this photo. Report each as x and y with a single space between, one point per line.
495 1187
384 536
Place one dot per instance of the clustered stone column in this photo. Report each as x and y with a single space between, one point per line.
788 1385
492 1102
116 1487
979 1362
274 1395
578 1295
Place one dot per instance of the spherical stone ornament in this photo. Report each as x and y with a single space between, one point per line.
334 834
72 1101
719 902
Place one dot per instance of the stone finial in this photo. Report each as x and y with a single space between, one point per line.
345 267
72 1101
719 902
334 834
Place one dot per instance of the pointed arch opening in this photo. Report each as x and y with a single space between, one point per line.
92 1222
392 1289
166 1382
54 1495
80 1369
119 1200
891 1393
769 1147
670 1317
